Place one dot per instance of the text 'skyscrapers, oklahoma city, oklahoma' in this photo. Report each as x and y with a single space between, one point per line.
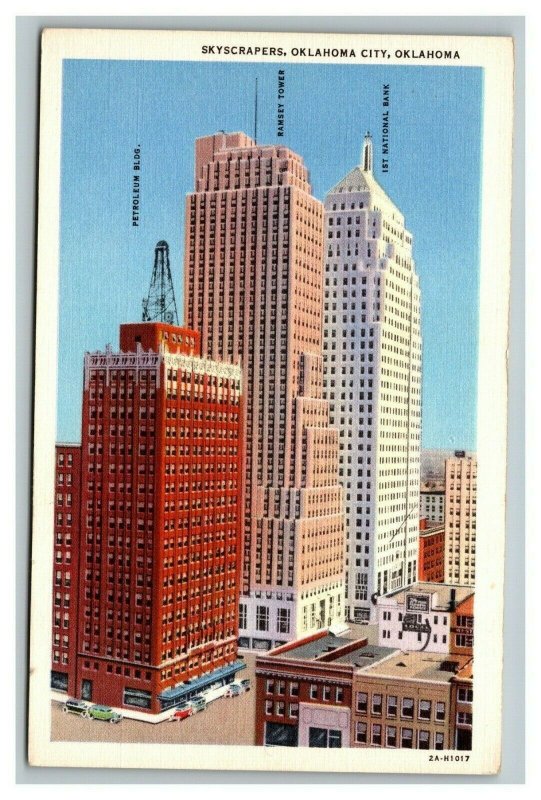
266 265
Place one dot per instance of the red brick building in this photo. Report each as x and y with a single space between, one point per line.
67 504
161 521
462 620
431 553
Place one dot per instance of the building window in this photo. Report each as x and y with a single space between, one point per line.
391 705
407 708
243 617
294 689
268 707
438 741
262 618
283 620
391 736
137 697
440 712
321 737
294 710
362 702
339 694
326 692
270 686
279 708
280 687
360 732
407 738
464 718
465 695
376 704
425 707
376 735
313 691
424 740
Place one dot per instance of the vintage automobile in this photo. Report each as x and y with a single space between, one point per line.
73 706
104 713
182 711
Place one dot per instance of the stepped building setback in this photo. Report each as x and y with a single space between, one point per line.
372 380
154 557
253 288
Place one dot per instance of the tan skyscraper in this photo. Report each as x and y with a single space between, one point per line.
460 518
253 289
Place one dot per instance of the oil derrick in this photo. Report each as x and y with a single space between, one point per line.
160 305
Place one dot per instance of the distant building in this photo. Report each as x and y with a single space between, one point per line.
432 553
331 691
67 508
156 555
432 504
420 617
460 519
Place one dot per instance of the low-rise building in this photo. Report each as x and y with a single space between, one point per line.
405 701
419 618
462 627
462 707
334 691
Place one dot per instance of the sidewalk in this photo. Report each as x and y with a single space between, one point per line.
127 713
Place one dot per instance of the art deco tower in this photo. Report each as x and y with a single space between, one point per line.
253 289
372 351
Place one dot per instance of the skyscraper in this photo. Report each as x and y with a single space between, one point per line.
460 518
253 288
372 352
158 540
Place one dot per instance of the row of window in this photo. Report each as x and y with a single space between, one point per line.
407 707
391 736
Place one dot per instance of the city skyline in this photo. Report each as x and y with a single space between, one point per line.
96 198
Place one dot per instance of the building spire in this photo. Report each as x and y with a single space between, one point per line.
368 154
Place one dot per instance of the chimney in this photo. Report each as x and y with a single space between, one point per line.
452 602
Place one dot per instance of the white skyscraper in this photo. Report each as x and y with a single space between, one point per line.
372 352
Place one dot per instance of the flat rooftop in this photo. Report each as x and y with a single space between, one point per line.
311 650
443 590
439 667
365 656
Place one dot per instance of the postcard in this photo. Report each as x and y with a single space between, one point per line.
270 410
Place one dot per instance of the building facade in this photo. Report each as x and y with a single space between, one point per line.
462 627
421 617
372 352
331 691
432 553
161 521
432 505
460 518
253 288
67 506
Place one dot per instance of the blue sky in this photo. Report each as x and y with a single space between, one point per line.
112 107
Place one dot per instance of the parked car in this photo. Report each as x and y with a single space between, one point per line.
73 706
182 711
214 694
198 703
238 687
105 713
